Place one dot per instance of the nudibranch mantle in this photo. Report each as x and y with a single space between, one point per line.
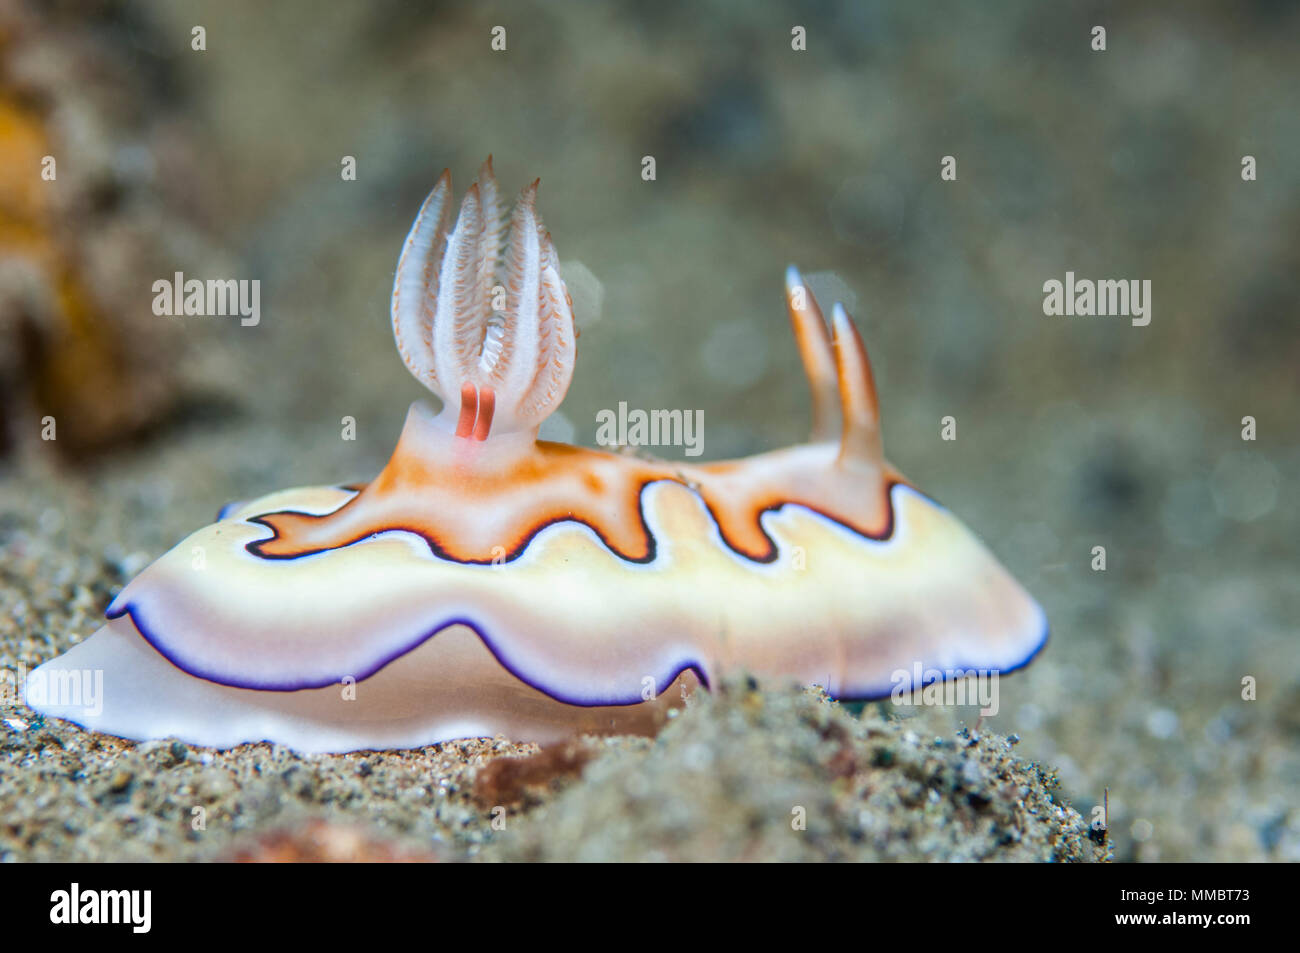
489 583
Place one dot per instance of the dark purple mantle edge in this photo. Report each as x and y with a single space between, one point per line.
662 685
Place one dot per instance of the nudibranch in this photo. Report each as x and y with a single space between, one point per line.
488 583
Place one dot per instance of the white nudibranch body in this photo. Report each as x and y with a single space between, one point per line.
487 583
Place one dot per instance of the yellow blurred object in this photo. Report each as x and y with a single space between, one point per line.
63 352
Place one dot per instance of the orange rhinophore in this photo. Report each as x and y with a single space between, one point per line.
486 582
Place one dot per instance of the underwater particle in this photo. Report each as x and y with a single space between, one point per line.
557 428
733 355
1245 485
1162 723
829 286
1218 730
1030 715
586 291
50 521
1188 513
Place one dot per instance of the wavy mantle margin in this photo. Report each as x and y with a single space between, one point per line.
662 683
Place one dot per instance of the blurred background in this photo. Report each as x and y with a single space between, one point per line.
1072 433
